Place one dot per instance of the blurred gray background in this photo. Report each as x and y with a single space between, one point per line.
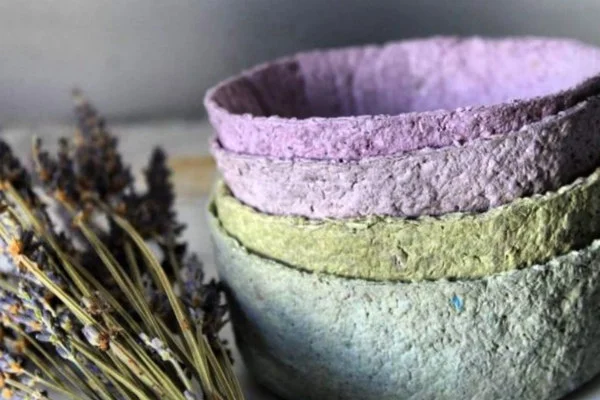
150 59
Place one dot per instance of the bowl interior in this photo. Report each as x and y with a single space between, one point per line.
409 76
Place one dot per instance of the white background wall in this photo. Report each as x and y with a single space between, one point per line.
155 58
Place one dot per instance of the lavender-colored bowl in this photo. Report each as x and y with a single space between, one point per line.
482 174
403 96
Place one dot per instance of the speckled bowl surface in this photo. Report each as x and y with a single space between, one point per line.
530 334
482 174
381 100
516 235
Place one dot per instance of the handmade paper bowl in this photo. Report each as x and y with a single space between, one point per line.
483 174
524 232
381 100
525 334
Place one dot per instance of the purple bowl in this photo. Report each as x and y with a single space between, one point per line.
476 176
382 100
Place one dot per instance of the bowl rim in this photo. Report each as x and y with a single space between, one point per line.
358 136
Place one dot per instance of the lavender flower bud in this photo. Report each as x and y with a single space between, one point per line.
91 335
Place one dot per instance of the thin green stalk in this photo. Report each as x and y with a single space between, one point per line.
147 362
174 342
73 305
124 283
186 328
123 280
34 223
142 366
167 334
41 366
48 236
66 372
108 370
4 285
110 358
166 383
109 298
97 384
122 367
24 388
49 384
83 317
230 374
173 261
110 263
133 265
181 373
217 368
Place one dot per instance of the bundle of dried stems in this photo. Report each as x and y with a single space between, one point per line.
99 297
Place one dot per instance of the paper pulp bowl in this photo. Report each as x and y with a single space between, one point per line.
346 104
526 334
482 174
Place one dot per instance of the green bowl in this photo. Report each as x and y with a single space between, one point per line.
525 334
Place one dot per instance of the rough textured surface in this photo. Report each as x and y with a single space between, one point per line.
377 100
531 334
521 233
480 175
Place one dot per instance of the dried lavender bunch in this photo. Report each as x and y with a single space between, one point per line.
130 322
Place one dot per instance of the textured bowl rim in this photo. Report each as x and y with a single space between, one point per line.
571 256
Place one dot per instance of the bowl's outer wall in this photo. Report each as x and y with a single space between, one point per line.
480 175
528 334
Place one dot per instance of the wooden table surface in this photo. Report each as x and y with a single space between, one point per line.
186 144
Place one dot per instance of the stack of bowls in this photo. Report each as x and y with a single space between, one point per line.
415 220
